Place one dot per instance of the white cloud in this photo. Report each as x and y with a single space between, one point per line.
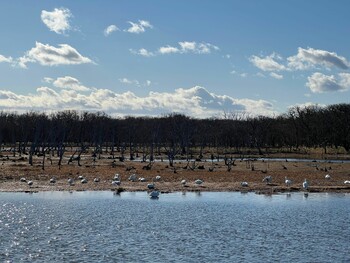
68 82
310 58
110 29
268 63
57 20
168 50
129 81
5 59
184 47
148 83
142 52
276 76
47 80
47 55
244 75
195 101
320 83
139 27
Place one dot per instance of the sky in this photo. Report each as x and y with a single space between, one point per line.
197 57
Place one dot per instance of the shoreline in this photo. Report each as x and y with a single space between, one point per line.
216 176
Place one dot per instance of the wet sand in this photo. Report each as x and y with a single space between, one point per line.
215 175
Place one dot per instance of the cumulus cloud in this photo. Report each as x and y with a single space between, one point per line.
321 83
276 76
268 63
47 55
189 47
140 27
5 59
68 82
310 58
110 29
57 20
182 48
142 52
196 101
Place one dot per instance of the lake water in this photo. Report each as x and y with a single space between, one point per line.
177 227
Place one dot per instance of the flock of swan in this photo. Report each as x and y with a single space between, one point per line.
116 181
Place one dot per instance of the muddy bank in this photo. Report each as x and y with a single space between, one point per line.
215 175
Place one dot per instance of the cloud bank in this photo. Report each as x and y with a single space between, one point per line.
195 101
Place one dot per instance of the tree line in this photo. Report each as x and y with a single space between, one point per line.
173 134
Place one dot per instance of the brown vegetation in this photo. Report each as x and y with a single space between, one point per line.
216 174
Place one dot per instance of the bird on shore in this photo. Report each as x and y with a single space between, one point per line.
306 185
287 181
183 182
244 184
96 180
116 177
268 179
23 179
84 181
116 182
347 182
70 181
30 183
52 180
150 186
158 177
199 181
327 176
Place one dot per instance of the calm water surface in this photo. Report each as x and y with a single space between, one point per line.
191 227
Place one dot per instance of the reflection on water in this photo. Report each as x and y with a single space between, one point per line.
177 227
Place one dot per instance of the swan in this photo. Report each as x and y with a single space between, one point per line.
115 182
132 178
183 182
244 184
53 180
268 179
142 179
198 181
287 181
306 184
23 179
70 181
154 194
347 182
327 176
116 177
84 181
30 183
150 186
158 178
80 177
96 180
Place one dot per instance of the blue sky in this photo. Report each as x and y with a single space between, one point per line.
197 57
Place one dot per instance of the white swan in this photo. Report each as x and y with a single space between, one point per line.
23 179
116 182
116 177
198 181
133 177
268 179
183 182
158 177
244 184
287 181
327 176
142 179
30 183
96 180
84 181
306 184
347 182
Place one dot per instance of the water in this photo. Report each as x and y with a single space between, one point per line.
191 227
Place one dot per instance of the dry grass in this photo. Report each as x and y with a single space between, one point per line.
13 168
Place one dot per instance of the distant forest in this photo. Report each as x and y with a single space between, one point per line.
174 134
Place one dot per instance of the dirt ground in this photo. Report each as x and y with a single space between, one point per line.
215 175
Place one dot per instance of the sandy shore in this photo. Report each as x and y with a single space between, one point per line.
215 176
